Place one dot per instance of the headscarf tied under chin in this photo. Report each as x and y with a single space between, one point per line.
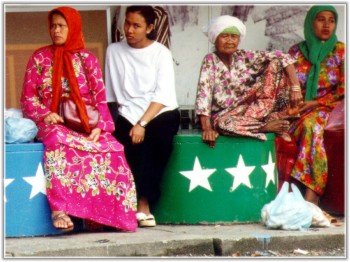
63 59
314 50
218 24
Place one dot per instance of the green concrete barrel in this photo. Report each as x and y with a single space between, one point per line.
228 183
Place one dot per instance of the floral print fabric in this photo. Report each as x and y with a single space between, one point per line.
240 99
311 167
85 179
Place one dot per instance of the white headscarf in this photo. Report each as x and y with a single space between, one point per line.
219 24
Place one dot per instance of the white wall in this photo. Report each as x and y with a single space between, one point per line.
189 44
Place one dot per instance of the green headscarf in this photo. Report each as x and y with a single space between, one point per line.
313 48
231 30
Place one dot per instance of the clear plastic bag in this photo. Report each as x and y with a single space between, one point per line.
19 130
289 210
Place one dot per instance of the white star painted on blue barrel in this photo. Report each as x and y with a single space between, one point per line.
269 169
7 181
198 176
240 173
38 182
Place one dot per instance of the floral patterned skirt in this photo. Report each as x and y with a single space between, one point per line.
311 167
89 180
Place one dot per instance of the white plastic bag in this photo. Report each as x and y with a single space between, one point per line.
13 112
19 130
289 211
318 218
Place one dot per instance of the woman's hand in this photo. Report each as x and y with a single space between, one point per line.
296 98
94 135
308 105
209 137
137 134
53 118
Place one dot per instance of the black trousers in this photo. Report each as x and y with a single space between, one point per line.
149 159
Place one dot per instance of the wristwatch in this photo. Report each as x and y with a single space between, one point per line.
142 123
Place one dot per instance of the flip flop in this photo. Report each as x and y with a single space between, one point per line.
61 216
145 220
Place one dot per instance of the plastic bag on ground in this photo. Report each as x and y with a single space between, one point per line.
318 218
289 210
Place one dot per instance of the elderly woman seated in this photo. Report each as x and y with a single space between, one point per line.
243 93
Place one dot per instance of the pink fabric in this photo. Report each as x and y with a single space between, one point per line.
242 98
85 179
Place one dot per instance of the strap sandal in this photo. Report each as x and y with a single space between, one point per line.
145 220
63 217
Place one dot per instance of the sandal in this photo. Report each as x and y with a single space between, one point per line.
145 220
63 217
331 219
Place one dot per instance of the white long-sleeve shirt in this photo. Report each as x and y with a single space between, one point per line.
135 77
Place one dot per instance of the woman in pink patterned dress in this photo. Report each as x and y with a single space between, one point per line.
243 93
87 174
320 67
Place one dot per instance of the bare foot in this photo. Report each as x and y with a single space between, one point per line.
311 196
276 126
61 220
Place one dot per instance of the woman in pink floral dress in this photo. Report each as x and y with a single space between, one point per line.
323 56
243 93
87 174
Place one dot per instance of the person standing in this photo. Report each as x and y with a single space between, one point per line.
87 174
140 76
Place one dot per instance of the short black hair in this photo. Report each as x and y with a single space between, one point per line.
148 13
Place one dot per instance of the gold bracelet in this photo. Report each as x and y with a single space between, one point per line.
295 88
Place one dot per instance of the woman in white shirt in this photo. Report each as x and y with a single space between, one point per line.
140 76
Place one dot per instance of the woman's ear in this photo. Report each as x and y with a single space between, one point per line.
149 28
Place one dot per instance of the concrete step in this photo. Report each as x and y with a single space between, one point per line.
177 240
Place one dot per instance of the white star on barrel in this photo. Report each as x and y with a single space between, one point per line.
198 176
241 174
7 181
269 169
38 182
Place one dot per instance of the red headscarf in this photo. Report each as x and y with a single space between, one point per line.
63 59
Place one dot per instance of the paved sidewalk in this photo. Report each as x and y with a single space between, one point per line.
178 241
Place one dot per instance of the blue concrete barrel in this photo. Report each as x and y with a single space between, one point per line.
27 212
228 183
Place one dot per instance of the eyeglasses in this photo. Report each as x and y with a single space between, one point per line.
60 26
